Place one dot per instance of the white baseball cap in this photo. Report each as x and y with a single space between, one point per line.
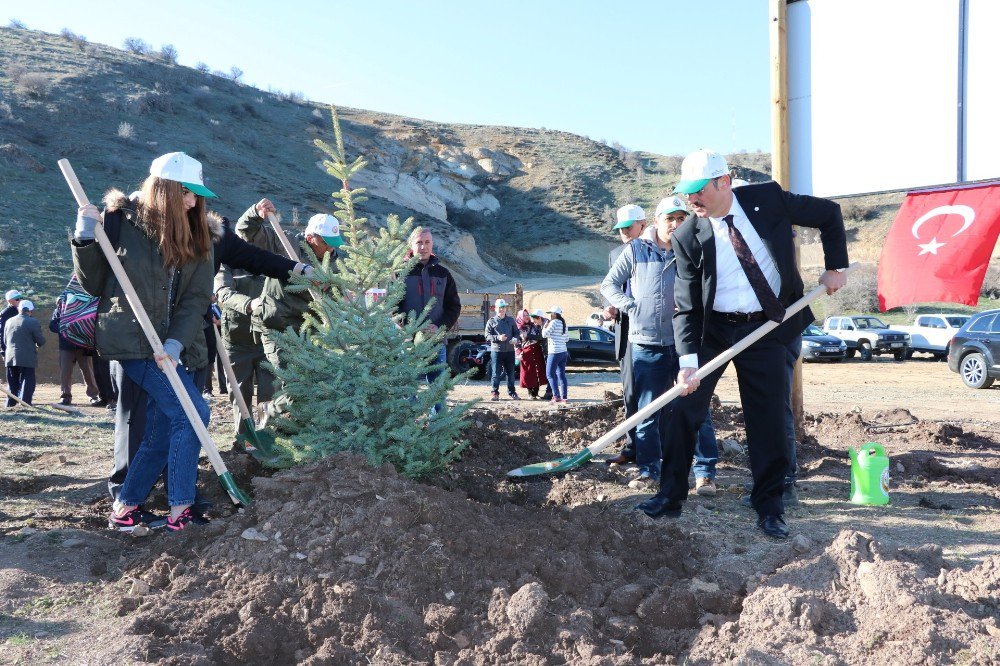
629 215
555 309
698 168
26 305
183 169
12 294
327 227
670 205
500 304
538 313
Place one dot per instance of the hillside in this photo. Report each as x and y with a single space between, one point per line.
504 202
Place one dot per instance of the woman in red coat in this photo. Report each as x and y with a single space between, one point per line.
532 354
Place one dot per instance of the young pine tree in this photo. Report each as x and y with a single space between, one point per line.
355 371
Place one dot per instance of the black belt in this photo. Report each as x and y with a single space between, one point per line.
740 317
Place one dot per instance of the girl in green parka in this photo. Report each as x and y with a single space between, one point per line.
166 248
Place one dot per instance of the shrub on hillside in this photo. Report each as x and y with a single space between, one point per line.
126 131
202 97
168 54
152 101
34 84
137 46
17 24
202 67
79 41
15 71
235 73
991 284
858 212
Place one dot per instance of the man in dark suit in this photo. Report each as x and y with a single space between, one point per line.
736 269
631 223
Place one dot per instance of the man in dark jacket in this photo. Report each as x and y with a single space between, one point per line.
130 417
502 334
428 280
22 338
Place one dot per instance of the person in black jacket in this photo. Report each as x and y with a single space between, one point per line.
428 280
13 299
130 417
736 269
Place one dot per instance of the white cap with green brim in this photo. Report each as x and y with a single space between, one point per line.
326 227
26 305
698 169
629 215
670 205
183 169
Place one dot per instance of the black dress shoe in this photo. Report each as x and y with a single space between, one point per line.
658 506
773 526
620 459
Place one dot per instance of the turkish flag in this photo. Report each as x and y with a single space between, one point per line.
939 247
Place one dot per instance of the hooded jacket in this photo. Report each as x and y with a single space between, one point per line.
174 300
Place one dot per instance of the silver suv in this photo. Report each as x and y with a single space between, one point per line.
868 336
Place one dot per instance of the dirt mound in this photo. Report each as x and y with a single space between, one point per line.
856 604
337 561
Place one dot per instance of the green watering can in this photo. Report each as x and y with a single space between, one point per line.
869 475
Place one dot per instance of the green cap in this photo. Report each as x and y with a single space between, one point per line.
200 190
333 241
691 186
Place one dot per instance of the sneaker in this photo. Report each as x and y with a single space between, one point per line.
704 486
130 520
207 397
495 396
555 401
514 396
187 517
562 399
97 402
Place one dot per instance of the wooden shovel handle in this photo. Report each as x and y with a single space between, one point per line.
285 243
227 365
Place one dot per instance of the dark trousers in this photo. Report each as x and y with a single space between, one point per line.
762 378
792 351
503 361
130 424
20 382
102 374
67 359
629 397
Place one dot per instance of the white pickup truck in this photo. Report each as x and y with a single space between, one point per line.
868 336
931 333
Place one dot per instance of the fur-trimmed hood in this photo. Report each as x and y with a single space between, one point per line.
115 199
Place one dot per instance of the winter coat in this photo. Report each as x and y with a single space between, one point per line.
649 271
22 338
496 327
8 312
235 288
174 300
432 280
282 308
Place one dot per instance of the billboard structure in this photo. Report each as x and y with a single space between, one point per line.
891 94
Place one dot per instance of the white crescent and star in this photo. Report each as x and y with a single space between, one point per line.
933 246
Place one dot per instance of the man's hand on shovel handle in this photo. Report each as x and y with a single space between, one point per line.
687 378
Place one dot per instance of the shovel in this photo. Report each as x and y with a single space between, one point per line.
569 462
259 444
64 408
225 477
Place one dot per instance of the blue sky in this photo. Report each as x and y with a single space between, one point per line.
628 71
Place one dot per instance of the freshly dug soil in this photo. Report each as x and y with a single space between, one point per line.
340 563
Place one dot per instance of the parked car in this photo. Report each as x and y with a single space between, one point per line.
931 333
590 344
974 352
817 346
868 336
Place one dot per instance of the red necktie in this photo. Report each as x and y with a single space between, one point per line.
768 301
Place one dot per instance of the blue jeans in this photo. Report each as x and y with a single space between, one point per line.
706 451
502 361
653 373
169 441
793 348
432 376
555 372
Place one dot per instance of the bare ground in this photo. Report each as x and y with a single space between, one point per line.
362 566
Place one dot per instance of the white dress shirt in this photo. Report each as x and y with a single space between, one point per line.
733 292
